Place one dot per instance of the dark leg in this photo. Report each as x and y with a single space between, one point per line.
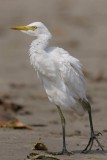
93 135
64 150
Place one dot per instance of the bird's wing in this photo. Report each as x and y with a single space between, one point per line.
71 73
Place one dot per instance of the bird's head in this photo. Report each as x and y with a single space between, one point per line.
33 29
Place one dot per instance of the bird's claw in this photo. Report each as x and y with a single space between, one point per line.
90 143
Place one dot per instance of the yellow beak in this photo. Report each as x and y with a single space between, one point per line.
24 28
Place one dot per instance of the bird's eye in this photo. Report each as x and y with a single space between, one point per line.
33 28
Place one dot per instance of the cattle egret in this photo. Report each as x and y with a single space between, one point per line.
61 76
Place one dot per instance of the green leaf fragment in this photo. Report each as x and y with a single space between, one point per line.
39 146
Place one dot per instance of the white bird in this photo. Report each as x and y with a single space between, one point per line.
61 76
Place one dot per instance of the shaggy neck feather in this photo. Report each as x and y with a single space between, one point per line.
40 43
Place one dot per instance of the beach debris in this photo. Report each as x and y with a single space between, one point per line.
34 156
14 125
8 117
39 146
13 106
10 105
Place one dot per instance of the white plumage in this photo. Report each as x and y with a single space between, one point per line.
61 76
59 72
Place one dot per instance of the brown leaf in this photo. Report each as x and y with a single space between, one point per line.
10 105
14 124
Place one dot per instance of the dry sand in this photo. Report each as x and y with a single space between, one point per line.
79 26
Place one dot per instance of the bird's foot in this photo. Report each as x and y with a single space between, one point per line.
91 141
63 152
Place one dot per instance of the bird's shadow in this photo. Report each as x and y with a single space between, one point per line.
91 152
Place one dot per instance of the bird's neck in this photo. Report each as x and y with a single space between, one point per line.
40 43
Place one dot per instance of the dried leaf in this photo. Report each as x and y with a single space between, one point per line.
7 116
15 125
34 156
11 105
39 146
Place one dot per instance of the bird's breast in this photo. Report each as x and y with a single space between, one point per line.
43 64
